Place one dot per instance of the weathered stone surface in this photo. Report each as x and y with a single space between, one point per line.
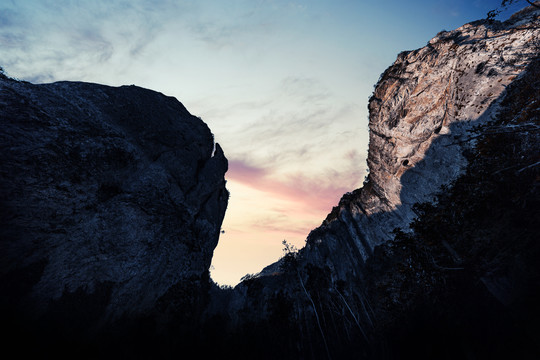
462 282
421 115
110 198
111 202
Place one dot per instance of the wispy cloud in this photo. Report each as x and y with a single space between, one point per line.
308 193
218 34
242 172
54 37
299 125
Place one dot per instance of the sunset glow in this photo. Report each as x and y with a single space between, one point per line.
283 85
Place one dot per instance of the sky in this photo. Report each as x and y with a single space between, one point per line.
283 85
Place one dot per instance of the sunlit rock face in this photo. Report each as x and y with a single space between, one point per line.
463 113
420 117
111 202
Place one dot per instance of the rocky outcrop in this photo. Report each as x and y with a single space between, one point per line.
111 204
450 203
420 118
112 199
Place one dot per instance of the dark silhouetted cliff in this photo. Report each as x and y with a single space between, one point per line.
112 201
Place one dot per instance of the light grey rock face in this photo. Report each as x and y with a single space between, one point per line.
421 115
116 194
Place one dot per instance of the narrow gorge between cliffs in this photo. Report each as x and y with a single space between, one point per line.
113 200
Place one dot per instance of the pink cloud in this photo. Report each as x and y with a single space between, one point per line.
310 194
242 172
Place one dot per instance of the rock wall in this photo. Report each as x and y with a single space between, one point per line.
111 202
404 267
420 119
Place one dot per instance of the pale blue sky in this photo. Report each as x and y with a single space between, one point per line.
283 85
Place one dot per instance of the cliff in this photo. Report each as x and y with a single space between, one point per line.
420 118
112 201
111 205
433 256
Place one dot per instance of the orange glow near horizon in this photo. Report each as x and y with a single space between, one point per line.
263 212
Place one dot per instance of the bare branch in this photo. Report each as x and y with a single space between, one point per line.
533 4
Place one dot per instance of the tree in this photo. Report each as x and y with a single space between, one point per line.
504 5
533 4
290 253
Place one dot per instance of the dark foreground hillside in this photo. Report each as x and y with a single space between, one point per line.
111 202
463 284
